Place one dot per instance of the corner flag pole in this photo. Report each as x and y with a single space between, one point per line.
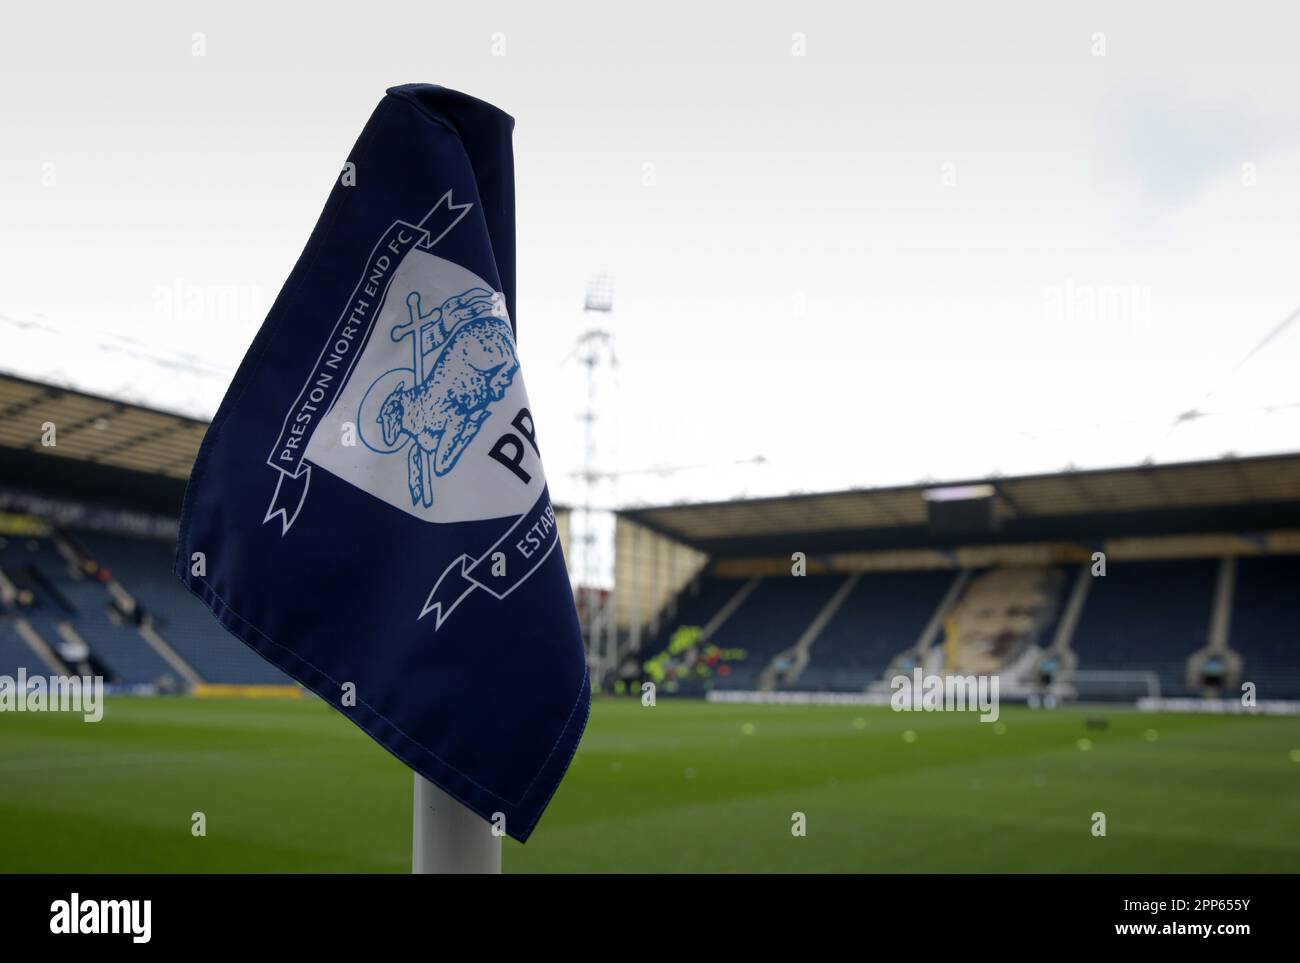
448 838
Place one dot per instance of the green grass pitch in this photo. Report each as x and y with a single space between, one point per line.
682 786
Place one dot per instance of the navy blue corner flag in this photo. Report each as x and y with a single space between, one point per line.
368 510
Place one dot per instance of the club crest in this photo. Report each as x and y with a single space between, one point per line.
417 400
399 401
463 362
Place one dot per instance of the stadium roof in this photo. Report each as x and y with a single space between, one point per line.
108 452
97 430
1244 494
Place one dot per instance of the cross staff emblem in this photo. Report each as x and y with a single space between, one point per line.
482 367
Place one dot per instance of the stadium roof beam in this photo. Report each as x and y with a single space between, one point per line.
30 401
1011 506
1240 495
94 430
1244 481
95 420
1159 486
159 433
1086 497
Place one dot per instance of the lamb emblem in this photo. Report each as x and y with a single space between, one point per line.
444 408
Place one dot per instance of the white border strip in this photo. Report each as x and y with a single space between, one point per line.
803 698
1273 707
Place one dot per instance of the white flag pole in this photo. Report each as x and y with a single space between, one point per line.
448 838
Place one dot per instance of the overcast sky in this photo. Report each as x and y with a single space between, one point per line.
870 245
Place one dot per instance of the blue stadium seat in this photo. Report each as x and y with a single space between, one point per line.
883 615
1265 628
1147 616
771 619
144 568
14 652
694 608
119 647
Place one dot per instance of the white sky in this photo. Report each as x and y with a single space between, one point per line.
798 282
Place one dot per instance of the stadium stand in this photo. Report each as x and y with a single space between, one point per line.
68 601
1143 617
1266 624
980 571
770 619
14 652
1147 616
144 568
883 615
63 596
87 535
985 588
694 607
